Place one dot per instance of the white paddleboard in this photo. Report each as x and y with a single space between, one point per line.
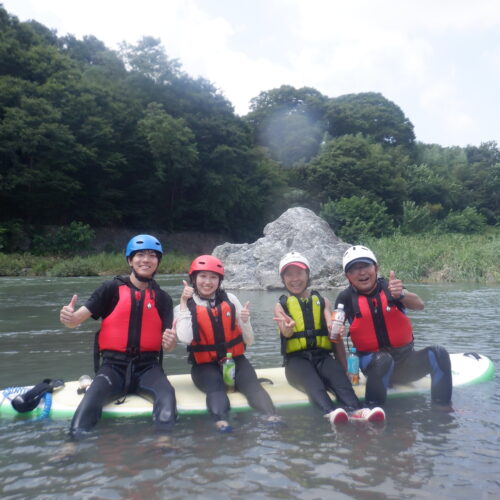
467 368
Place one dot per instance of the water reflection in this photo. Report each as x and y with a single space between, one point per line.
419 453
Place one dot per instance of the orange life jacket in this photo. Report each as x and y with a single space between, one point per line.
215 331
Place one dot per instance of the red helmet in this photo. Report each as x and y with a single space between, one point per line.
207 263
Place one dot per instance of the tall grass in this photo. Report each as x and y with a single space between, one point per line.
440 258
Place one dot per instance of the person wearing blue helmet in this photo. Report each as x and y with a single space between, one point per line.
136 323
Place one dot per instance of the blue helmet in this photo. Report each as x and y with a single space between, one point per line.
143 242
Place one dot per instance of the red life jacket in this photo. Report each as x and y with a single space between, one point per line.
215 331
134 325
379 323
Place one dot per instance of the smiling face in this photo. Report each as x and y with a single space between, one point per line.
144 263
363 277
206 283
296 280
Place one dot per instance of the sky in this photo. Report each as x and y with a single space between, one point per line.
439 61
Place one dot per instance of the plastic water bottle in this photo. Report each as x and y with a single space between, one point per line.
338 318
353 366
228 371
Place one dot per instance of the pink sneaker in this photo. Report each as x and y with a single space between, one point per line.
368 415
338 416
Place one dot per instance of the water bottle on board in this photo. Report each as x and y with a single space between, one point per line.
228 370
353 367
338 318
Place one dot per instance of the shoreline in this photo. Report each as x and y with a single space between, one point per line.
425 258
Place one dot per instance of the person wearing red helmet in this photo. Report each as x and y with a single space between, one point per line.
213 323
303 319
136 323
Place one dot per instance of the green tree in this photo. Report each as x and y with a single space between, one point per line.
351 165
370 114
417 218
356 218
467 221
37 178
482 179
174 155
148 58
289 122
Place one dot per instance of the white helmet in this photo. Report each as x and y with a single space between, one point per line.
358 253
296 259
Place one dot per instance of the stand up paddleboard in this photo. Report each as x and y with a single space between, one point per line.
467 369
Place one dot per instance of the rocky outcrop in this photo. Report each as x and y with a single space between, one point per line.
254 266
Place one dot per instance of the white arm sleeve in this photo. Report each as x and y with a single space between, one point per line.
183 326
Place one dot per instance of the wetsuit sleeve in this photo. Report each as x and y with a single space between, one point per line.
246 328
103 300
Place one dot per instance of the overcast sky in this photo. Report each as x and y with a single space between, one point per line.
438 60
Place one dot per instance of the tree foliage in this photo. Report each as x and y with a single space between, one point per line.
354 219
106 138
289 122
126 138
351 165
370 114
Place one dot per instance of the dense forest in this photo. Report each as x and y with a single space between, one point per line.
91 137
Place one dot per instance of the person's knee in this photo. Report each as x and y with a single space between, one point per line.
441 357
380 364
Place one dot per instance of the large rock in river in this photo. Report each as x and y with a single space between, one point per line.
254 266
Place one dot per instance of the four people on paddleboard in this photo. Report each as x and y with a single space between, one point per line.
137 322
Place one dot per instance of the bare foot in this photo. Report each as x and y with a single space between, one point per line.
165 443
67 450
223 426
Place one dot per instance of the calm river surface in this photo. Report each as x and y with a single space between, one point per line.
420 453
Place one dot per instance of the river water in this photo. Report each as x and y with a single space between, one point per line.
420 453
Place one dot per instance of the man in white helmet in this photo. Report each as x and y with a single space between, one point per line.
382 332
304 320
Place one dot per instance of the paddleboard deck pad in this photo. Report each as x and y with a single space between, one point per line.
467 369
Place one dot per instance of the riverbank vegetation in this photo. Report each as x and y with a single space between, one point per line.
423 258
430 258
101 264
92 138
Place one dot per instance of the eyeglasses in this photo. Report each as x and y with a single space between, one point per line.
358 267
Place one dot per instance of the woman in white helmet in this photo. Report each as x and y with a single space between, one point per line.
382 332
304 320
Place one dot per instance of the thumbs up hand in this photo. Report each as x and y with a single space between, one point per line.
168 341
67 313
187 292
395 285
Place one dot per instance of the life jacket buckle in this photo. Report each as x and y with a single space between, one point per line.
132 352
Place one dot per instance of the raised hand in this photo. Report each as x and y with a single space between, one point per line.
67 313
285 323
395 285
187 292
245 312
168 340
